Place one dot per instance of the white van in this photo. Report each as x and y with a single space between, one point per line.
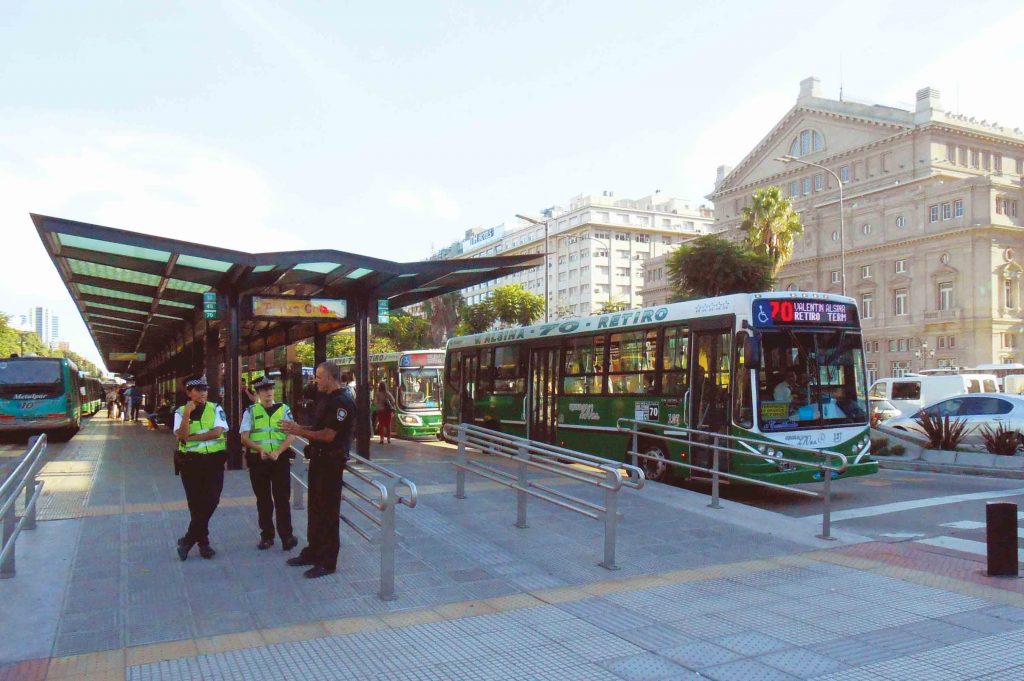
913 391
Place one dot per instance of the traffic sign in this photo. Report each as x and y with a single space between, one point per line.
210 305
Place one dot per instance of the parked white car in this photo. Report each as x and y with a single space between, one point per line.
978 410
913 391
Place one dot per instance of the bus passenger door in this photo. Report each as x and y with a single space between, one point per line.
467 398
541 402
711 353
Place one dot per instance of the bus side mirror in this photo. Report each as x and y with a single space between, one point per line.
754 350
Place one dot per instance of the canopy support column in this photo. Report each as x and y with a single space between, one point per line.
232 382
363 429
319 348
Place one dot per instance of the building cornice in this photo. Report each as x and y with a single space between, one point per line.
776 131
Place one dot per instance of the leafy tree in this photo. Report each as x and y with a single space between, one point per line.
443 314
712 266
476 318
515 306
772 226
405 332
561 312
340 345
612 306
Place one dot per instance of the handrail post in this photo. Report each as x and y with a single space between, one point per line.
714 476
460 471
636 445
298 500
611 519
523 454
826 506
30 485
387 543
10 520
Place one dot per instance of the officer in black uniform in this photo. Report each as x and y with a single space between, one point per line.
329 440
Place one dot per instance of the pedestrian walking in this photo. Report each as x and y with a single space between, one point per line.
200 426
329 438
385 403
111 403
131 402
269 462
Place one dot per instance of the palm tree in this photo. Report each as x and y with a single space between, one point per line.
772 226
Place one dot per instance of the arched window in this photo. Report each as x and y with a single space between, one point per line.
807 142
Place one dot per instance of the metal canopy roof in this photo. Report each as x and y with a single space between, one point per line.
137 292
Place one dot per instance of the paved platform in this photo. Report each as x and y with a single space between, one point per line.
737 593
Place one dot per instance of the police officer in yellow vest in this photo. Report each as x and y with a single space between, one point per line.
200 427
269 464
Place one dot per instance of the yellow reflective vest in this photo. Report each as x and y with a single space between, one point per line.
266 428
201 425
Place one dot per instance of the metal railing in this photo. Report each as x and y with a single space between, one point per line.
526 454
374 499
723 443
23 477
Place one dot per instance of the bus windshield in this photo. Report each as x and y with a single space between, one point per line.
28 373
420 388
811 379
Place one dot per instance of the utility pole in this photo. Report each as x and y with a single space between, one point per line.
545 223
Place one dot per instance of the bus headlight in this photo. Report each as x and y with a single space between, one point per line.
410 419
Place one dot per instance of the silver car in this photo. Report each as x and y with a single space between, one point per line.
978 410
881 410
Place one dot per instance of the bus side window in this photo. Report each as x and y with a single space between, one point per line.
485 381
582 366
509 371
674 361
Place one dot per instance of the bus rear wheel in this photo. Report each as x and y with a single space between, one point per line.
656 466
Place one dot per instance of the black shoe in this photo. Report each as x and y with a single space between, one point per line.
265 544
206 551
183 548
289 543
299 561
317 571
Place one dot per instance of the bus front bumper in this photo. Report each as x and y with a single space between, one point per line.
35 424
802 474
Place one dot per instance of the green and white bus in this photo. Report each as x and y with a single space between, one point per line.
782 368
414 378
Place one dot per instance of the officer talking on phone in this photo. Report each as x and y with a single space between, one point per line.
329 438
200 427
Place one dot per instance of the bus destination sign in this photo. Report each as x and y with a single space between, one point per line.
801 312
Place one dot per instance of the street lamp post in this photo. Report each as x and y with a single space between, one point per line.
842 232
545 223
923 354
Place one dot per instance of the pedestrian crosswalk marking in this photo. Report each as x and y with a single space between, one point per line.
965 545
870 511
975 525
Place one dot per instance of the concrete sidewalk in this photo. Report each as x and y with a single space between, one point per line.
736 593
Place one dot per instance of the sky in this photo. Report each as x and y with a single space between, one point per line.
388 129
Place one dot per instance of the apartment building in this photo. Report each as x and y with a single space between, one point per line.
596 249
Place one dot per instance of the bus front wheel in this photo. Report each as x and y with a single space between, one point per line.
655 466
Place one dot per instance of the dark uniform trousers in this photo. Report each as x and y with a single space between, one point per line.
325 477
202 476
271 483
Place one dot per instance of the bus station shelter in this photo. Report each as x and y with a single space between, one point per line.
160 309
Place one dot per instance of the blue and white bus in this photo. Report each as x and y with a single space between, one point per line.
40 395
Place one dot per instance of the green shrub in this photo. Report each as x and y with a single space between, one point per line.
1001 440
879 446
897 450
942 433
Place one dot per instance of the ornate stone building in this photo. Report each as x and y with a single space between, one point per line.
933 229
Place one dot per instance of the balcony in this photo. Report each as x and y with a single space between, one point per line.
942 314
